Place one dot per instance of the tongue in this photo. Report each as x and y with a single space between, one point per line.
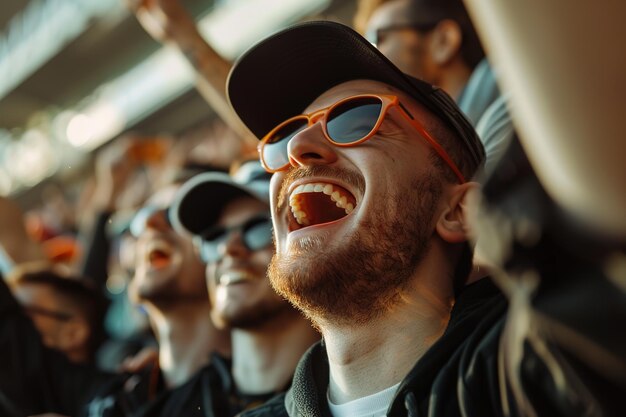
319 208
159 259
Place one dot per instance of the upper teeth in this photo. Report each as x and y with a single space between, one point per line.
232 277
328 189
157 245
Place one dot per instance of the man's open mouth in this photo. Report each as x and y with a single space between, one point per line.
318 203
159 255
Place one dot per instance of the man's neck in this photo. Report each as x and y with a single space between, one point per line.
369 358
186 338
264 359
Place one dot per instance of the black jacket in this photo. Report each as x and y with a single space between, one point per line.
35 380
463 374
144 395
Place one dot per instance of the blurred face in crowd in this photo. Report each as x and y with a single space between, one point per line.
240 292
354 266
407 46
167 268
52 315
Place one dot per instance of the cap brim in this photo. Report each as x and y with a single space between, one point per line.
280 76
199 202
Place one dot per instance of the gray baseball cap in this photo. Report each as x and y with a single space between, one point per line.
199 202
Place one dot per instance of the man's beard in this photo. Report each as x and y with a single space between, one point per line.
362 276
167 293
254 317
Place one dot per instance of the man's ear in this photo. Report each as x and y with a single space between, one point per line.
445 41
452 225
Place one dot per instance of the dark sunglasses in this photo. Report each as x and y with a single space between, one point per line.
41 311
349 122
256 233
374 36
139 221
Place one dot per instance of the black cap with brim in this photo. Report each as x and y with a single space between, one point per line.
200 201
281 75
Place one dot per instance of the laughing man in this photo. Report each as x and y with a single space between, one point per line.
372 168
368 198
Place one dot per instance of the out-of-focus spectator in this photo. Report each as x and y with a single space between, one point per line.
230 220
125 174
169 282
435 40
67 311
364 11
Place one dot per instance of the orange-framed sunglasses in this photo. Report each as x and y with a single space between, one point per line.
348 122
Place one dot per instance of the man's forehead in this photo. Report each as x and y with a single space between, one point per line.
163 197
241 208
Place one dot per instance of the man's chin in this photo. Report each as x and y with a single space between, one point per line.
304 284
254 317
305 246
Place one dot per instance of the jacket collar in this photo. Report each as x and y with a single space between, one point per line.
307 395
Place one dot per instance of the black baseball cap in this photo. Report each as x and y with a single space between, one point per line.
281 75
199 202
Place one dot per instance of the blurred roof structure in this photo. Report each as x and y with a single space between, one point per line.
75 74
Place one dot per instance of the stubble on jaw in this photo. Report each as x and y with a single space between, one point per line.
361 276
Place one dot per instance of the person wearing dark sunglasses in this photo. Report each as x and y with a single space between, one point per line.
435 40
192 368
169 284
230 221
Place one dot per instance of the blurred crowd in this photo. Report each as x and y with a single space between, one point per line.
327 272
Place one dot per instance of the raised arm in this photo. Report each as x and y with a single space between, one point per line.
169 23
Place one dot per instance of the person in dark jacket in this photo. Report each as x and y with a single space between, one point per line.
372 172
189 379
230 220
67 310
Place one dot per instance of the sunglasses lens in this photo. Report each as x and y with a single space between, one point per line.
209 242
258 234
209 252
354 119
275 148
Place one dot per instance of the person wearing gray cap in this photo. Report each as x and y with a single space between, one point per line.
230 221
372 169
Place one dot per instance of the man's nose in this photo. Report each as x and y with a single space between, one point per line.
158 220
233 246
310 147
